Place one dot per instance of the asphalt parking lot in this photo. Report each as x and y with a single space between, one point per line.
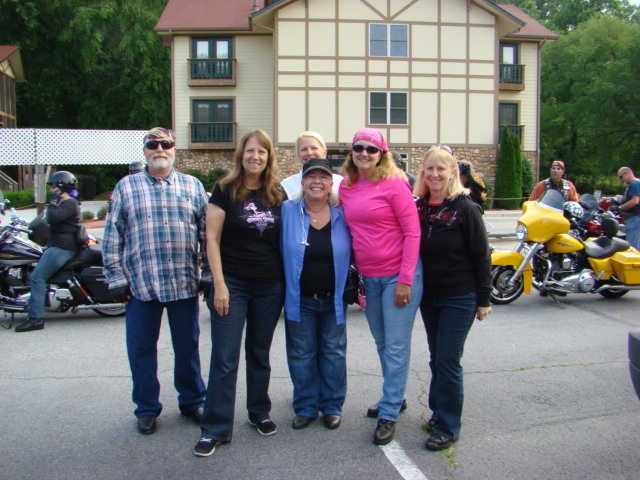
548 396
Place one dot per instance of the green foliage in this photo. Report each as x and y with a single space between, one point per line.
102 213
508 173
209 178
489 203
528 179
105 177
607 184
23 198
86 187
87 215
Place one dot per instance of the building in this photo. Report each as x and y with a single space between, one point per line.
422 71
11 71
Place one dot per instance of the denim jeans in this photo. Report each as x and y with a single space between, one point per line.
52 260
143 320
259 305
391 328
633 231
447 321
317 358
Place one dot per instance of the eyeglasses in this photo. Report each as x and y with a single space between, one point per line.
153 144
444 147
369 148
621 176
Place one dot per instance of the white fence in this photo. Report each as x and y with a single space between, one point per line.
44 146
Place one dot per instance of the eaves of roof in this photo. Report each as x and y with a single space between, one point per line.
532 29
11 53
203 15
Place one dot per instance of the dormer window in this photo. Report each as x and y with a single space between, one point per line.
386 40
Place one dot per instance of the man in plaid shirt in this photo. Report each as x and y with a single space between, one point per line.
153 232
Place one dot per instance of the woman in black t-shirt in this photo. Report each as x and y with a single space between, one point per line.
243 235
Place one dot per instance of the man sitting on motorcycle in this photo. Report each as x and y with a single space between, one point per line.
63 216
556 182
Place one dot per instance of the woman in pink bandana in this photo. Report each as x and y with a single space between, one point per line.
383 219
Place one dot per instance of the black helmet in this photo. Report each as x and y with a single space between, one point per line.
135 167
65 181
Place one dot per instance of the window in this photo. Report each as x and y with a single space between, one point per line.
211 58
388 108
509 53
388 40
508 117
510 70
212 121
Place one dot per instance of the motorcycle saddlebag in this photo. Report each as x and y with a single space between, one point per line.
94 279
627 267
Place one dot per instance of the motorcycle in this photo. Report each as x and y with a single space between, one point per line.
78 285
556 263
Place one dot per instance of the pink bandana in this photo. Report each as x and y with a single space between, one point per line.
374 136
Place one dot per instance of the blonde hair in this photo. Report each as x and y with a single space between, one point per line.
454 188
311 134
385 168
272 194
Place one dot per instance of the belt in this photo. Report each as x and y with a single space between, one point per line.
319 295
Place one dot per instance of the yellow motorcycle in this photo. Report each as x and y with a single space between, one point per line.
548 258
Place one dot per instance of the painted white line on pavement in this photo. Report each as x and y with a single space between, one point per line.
405 466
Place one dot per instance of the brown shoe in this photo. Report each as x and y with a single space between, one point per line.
385 431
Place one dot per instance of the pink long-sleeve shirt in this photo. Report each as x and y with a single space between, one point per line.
384 225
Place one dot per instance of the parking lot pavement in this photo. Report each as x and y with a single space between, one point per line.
548 396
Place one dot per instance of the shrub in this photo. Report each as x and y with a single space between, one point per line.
23 198
489 203
528 180
87 215
87 187
508 188
102 213
209 178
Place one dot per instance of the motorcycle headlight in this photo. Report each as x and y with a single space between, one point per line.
521 231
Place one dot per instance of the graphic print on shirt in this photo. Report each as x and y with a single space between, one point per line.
442 214
261 220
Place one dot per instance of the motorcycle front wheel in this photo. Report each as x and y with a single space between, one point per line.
501 292
109 312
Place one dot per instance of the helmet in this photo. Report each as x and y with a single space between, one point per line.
135 167
573 210
65 181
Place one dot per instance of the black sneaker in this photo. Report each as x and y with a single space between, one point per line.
438 442
385 432
205 446
265 427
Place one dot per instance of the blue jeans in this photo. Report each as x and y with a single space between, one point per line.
447 321
317 357
633 231
52 260
391 328
259 305
143 321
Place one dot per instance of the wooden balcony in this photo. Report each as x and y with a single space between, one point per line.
212 135
511 77
207 72
517 130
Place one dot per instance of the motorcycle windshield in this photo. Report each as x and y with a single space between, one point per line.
590 205
553 200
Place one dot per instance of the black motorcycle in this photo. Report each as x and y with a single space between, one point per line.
79 285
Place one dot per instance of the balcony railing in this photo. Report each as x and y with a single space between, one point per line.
212 71
511 77
213 134
513 130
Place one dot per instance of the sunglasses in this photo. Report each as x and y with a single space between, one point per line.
620 176
153 144
369 148
446 148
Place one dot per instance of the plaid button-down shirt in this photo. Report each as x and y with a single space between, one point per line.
152 234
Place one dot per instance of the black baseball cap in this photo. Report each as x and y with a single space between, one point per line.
317 164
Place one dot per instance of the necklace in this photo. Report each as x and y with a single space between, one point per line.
316 212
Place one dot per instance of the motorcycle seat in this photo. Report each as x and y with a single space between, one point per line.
603 247
87 257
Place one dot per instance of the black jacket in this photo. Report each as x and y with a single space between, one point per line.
63 219
454 250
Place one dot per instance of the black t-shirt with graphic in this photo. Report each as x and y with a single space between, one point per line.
250 240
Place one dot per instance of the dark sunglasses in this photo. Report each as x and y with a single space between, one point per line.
153 144
444 147
361 148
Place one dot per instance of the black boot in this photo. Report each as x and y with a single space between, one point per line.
31 324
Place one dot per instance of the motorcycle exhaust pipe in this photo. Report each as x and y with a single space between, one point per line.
617 287
105 306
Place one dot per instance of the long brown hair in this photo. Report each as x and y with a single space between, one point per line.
269 176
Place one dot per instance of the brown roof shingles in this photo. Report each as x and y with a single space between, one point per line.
532 28
190 15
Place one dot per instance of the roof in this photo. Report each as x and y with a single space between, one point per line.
11 53
197 15
531 29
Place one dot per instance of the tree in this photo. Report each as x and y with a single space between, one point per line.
89 63
508 188
591 96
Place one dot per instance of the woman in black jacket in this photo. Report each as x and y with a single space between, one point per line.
63 216
457 283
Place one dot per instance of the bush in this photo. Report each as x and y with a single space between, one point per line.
209 178
508 173
607 184
528 180
87 187
23 198
489 203
102 213
87 215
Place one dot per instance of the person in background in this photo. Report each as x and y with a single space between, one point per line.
397 159
154 232
469 179
63 216
243 246
457 285
383 220
308 145
630 209
136 167
556 182
316 249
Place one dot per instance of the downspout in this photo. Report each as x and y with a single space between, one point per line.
539 110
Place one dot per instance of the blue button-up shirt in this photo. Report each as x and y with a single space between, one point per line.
153 232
